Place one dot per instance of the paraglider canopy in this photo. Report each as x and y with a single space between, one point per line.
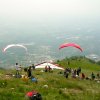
14 45
70 45
52 66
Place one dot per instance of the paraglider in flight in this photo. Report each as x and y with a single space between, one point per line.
14 45
70 45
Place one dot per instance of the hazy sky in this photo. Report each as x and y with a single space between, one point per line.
46 16
49 8
70 19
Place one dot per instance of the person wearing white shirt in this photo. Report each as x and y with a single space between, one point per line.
17 68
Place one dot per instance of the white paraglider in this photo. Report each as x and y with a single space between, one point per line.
14 45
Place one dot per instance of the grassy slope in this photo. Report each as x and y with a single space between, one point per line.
59 88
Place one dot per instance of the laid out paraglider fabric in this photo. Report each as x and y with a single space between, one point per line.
70 45
52 66
14 45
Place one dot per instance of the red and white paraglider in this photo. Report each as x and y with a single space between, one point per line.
14 45
70 45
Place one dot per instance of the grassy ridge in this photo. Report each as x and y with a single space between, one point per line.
59 88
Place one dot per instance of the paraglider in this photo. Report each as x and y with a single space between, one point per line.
51 65
14 45
70 45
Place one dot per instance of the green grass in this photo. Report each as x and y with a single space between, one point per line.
59 88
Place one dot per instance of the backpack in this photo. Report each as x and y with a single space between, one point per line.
34 96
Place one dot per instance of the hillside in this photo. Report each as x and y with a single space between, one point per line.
57 86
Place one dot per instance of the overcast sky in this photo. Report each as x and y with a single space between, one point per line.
65 17
47 8
44 16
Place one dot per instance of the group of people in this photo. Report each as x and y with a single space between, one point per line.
77 73
73 72
93 76
28 70
47 68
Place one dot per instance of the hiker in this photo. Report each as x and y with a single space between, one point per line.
73 74
46 69
82 76
92 76
78 71
29 72
49 68
68 70
98 75
33 66
68 62
17 68
66 74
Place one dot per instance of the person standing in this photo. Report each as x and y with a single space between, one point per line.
49 68
17 69
82 76
29 72
46 69
33 66
92 76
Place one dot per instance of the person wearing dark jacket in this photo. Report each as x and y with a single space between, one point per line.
29 72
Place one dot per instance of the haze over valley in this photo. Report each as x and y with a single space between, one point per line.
42 29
